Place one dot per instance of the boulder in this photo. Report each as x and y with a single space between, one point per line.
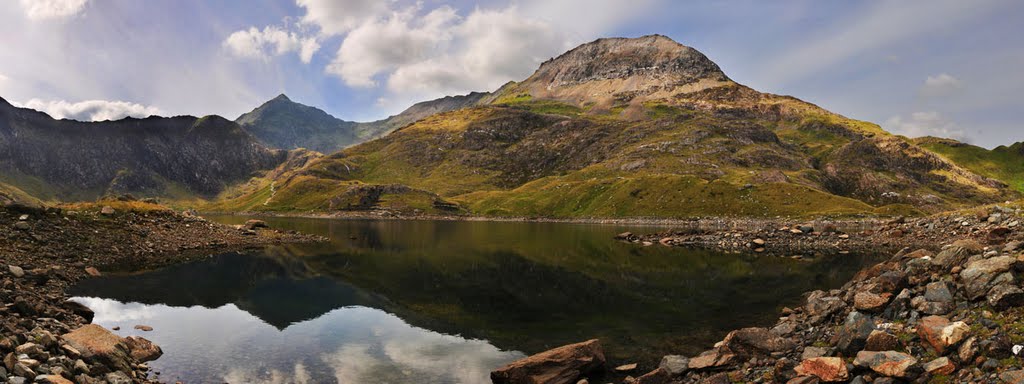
253 224
1012 377
1005 295
937 299
80 310
957 253
940 366
880 340
565 364
93 272
142 350
871 302
828 369
657 376
980 276
675 365
97 344
940 334
52 379
853 334
16 271
887 363
715 358
107 210
821 306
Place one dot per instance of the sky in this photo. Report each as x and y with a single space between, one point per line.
947 68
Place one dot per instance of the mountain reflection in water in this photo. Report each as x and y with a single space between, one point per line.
523 287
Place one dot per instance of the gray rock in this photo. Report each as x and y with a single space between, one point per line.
118 378
675 365
957 253
1005 295
22 226
854 333
980 275
812 352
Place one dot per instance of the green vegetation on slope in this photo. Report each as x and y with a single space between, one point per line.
1003 163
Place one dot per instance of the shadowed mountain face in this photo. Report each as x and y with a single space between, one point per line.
635 127
178 156
283 123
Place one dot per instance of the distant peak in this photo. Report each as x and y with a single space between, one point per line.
281 97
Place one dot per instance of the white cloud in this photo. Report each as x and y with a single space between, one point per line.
271 41
920 124
941 85
335 17
39 10
430 54
385 45
91 110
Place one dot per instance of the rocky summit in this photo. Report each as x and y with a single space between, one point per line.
642 127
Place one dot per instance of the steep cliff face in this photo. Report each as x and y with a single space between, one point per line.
177 157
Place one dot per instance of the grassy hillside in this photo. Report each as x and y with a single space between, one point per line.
640 127
1003 163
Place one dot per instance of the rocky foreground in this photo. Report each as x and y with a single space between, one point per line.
949 313
44 338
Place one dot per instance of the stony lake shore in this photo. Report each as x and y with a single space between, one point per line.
44 338
944 308
947 307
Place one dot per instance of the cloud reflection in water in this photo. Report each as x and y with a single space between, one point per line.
346 345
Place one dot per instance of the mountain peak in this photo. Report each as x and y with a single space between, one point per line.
621 58
623 68
281 97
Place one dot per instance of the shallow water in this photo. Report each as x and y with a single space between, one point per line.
443 302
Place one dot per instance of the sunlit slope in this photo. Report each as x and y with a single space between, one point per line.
634 128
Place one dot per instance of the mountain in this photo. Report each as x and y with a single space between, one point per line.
1004 163
282 123
285 124
179 157
631 127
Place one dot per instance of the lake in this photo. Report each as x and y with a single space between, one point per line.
443 302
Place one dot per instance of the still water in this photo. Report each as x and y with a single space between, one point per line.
442 302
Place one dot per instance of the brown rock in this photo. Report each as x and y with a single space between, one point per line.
558 366
940 366
626 368
804 380
144 328
52 379
881 341
828 369
957 253
657 376
871 302
97 344
253 224
1012 377
887 363
714 358
92 271
143 350
107 210
940 334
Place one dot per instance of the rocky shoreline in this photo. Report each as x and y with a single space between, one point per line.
44 338
820 237
951 311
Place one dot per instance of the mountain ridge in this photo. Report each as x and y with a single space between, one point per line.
639 127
